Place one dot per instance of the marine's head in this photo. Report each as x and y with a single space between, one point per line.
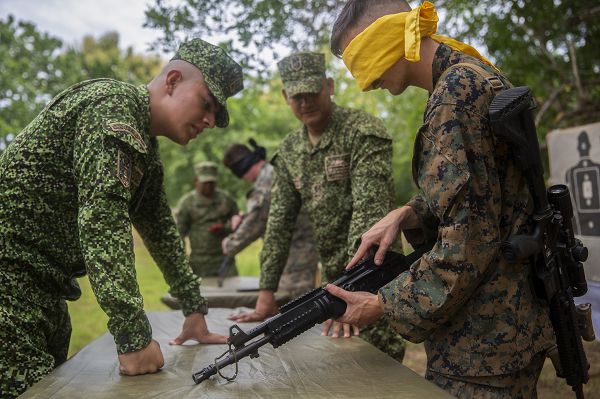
191 92
306 88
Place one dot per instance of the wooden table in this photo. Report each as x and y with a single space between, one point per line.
309 366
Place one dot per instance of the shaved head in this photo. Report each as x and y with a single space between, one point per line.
358 14
187 70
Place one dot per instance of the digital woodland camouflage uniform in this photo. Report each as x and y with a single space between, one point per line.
344 182
71 184
195 214
300 270
485 332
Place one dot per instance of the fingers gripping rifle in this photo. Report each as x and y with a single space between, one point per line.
312 308
555 254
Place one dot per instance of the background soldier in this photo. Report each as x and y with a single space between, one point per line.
485 331
338 166
71 184
203 215
299 273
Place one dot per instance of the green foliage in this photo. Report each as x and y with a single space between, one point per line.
260 26
28 76
36 67
550 45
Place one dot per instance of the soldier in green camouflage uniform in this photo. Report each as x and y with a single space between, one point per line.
71 185
299 273
203 215
338 166
484 330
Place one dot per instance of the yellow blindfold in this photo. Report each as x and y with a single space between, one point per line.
393 37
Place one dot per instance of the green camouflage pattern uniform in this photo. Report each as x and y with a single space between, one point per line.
344 182
484 330
71 185
301 267
195 215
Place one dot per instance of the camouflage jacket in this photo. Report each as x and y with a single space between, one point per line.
345 183
476 313
254 223
196 213
71 184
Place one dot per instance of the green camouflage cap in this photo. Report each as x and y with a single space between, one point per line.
222 75
206 171
302 72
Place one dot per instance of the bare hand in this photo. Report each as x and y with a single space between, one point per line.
265 307
363 308
224 244
336 326
147 360
236 220
384 233
194 327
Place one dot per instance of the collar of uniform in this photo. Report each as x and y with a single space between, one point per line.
441 62
327 135
145 106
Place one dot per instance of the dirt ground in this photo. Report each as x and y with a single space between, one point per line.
549 386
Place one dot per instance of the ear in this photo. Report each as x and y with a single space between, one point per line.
330 86
284 95
174 76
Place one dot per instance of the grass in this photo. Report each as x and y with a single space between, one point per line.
89 322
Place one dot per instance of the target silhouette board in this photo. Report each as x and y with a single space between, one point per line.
574 155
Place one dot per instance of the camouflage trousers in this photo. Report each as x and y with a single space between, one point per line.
383 336
300 270
519 385
33 341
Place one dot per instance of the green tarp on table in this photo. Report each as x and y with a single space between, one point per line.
309 366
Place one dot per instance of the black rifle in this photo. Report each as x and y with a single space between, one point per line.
312 308
555 254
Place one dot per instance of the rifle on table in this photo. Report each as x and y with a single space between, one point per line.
555 254
312 308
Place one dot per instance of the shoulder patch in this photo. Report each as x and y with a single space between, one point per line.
124 168
124 127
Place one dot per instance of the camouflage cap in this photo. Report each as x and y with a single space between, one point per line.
302 72
222 75
206 171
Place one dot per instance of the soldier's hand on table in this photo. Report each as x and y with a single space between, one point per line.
362 308
335 327
384 233
194 327
147 360
265 306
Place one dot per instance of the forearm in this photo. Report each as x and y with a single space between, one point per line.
424 225
250 229
105 236
156 227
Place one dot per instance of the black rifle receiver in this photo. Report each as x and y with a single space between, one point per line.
555 254
312 308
